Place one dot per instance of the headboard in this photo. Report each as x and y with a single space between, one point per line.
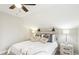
46 32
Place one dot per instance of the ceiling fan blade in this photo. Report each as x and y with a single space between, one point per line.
12 7
30 4
24 8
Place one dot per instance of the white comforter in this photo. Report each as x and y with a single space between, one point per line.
32 48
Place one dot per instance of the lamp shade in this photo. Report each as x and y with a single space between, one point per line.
38 30
53 29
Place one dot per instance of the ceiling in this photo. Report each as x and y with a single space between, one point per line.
63 16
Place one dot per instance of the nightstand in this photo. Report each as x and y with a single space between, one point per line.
66 49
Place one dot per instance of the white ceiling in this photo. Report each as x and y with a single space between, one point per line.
64 16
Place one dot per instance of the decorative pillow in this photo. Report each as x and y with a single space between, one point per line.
32 39
35 39
38 34
46 35
44 40
50 38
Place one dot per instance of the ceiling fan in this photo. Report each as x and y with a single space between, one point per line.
22 6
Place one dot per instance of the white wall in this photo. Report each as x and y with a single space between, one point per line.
77 40
11 30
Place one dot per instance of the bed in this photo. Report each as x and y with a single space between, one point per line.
33 48
41 43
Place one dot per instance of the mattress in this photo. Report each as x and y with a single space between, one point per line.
33 48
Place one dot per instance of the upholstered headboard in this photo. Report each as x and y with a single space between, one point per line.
46 32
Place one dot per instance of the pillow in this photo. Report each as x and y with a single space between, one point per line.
50 38
44 40
40 38
37 34
46 35
32 39
53 38
35 38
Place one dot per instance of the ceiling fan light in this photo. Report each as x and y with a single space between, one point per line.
18 5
